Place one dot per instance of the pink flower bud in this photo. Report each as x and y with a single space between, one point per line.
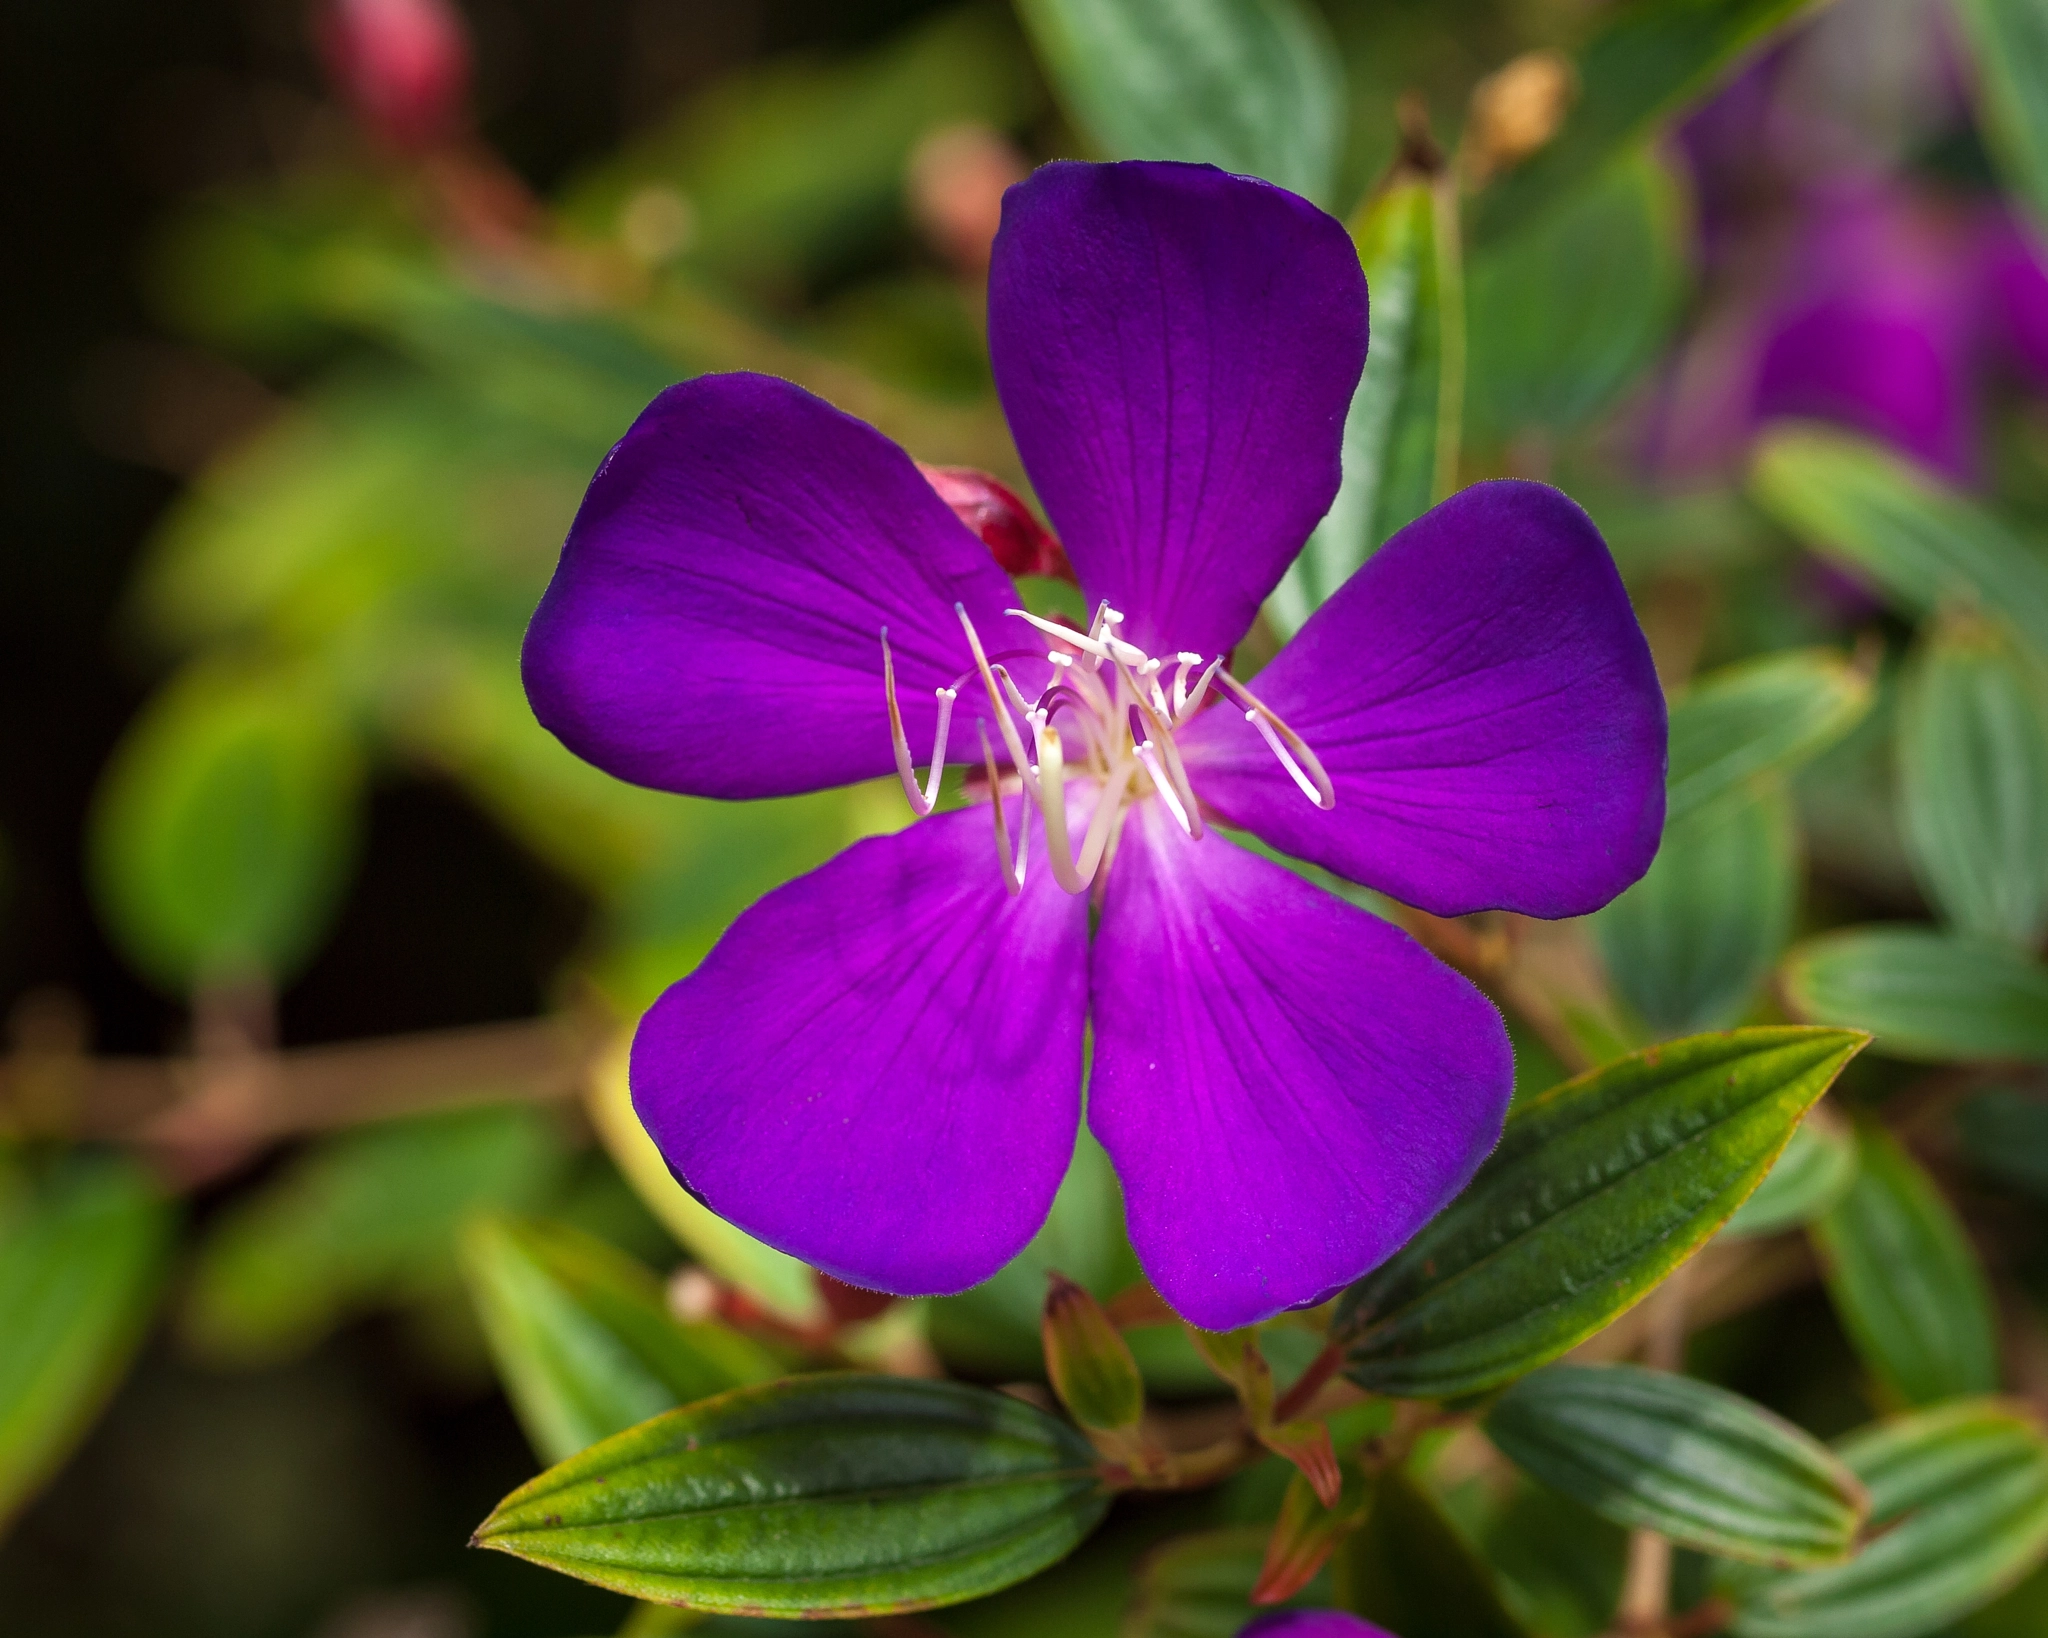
403 66
1019 543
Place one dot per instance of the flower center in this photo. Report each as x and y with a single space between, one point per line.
1107 718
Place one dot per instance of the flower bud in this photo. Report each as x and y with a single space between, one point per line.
1304 1535
1089 1362
957 178
1235 1356
403 66
1019 543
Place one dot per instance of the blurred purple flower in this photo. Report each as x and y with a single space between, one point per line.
1312 1624
879 1067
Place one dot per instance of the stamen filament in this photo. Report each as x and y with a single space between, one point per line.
921 801
1201 692
1052 805
1013 873
1315 782
1148 754
1012 741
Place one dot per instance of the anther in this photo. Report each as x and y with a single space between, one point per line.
921 801
1012 741
1292 750
1013 873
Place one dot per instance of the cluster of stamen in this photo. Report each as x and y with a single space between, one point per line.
1120 708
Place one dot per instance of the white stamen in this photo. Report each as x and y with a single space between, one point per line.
1258 720
1013 871
1294 754
1148 754
921 801
1012 741
1183 711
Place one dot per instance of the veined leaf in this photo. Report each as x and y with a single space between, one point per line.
2008 42
1906 1281
1758 718
1600 1187
1401 435
1924 994
81 1262
1973 780
1250 85
1813 1173
1651 59
1689 944
1959 1512
582 1339
222 833
1694 1462
1922 542
1568 312
823 1495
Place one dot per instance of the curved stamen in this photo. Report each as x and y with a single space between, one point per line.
1182 712
1013 872
1159 734
1294 754
921 801
1012 741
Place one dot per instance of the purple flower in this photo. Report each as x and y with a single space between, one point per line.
879 1067
1312 1624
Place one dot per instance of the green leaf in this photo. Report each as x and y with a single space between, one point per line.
1691 1461
81 1263
1200 1586
1250 85
1689 944
1401 435
1813 1173
1906 1281
1973 780
823 1495
224 826
2008 41
1922 994
1650 60
369 1216
1410 1570
1599 1188
583 1341
1567 313
1762 717
1959 1512
1923 543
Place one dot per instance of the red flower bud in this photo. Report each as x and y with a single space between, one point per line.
403 66
1018 541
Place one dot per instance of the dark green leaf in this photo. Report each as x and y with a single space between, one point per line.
1689 944
1567 313
1649 61
583 1341
370 1216
1762 717
1691 1461
1921 542
1906 1281
1924 994
1250 85
1600 1187
1401 436
1410 1570
1813 1173
2008 40
821 1495
223 830
1959 1512
1973 780
81 1262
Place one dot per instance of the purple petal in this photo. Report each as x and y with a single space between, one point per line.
1176 349
1312 1624
714 626
878 1068
1289 1086
1484 702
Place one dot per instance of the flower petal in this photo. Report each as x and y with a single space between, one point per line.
1176 349
1312 1624
878 1067
714 626
1484 702
1289 1086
